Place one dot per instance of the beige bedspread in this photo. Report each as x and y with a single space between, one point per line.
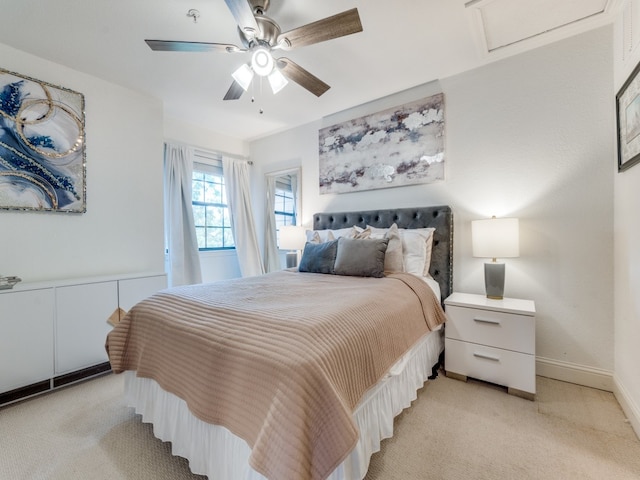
280 360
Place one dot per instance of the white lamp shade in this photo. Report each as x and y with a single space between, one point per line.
277 80
495 238
243 76
292 238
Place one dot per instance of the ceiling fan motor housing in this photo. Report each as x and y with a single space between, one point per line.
259 6
268 34
269 30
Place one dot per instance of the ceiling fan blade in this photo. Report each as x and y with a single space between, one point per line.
241 11
177 46
339 25
296 73
235 91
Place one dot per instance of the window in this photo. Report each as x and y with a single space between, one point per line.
209 203
285 204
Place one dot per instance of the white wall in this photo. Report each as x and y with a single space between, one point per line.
529 136
122 229
198 136
627 244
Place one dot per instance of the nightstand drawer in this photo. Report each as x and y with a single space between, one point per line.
496 329
504 367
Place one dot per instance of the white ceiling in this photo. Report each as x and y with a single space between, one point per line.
404 43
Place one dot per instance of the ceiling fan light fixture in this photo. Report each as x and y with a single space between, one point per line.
243 76
262 61
261 35
277 80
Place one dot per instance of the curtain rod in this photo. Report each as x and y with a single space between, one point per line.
216 152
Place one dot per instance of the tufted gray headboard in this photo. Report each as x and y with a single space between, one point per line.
439 217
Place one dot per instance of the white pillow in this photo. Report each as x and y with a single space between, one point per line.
429 244
361 233
416 247
321 236
349 232
393 260
375 230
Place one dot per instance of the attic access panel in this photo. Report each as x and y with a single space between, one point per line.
502 23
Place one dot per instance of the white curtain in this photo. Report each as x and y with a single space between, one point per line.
180 233
294 194
236 180
271 257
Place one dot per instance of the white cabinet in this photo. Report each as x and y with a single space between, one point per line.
132 290
81 317
81 326
26 338
491 340
54 333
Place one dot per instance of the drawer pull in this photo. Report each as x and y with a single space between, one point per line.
485 356
486 320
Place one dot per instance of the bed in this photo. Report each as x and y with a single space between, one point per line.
275 387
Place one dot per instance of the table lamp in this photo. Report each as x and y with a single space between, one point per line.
495 238
292 238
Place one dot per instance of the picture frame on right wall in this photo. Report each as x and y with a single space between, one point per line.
628 121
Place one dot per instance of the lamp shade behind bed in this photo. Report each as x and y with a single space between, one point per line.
292 238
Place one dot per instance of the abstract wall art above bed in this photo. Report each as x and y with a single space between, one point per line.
42 148
400 146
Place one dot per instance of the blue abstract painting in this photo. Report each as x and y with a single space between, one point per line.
42 147
393 148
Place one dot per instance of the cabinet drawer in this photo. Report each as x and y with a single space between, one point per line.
504 367
26 338
133 290
496 329
81 324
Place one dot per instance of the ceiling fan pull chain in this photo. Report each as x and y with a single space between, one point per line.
260 110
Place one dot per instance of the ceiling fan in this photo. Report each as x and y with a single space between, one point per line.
260 35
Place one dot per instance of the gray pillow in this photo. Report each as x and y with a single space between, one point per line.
361 257
318 257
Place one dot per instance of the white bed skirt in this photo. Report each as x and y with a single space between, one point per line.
216 452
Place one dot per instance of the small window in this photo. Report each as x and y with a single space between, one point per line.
209 203
285 204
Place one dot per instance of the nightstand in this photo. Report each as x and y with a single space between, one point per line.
492 340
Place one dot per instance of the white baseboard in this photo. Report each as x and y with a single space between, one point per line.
575 373
630 408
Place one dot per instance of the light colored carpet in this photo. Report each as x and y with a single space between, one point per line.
454 430
474 430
